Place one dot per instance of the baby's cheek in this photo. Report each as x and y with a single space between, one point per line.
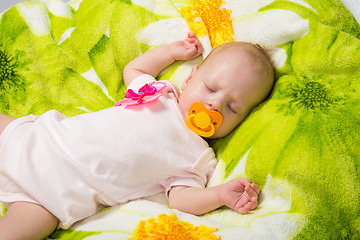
183 108
221 132
229 125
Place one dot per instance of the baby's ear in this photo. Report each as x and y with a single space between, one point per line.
193 71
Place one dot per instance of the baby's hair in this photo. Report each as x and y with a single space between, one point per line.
257 46
265 52
263 56
261 49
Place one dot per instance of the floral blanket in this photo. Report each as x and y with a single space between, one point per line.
301 146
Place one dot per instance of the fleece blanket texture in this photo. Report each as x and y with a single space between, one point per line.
301 145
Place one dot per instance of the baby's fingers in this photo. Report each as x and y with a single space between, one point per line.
253 198
192 39
255 187
251 205
199 46
251 192
247 207
187 44
244 210
191 35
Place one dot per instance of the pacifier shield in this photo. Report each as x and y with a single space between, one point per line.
203 121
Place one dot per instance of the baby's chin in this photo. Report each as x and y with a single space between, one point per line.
218 134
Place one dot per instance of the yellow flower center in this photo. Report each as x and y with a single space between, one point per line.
168 227
208 17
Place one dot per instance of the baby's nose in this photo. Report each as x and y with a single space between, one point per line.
214 105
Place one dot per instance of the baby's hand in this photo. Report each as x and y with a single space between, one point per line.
187 49
240 194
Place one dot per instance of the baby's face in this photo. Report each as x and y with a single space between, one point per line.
232 90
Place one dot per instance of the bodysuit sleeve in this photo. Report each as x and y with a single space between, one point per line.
140 81
196 176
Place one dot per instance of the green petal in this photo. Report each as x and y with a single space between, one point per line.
102 60
327 12
123 38
97 16
13 24
59 25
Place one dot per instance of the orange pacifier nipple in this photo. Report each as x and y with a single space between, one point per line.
202 121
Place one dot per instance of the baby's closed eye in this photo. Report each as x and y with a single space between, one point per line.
231 108
210 89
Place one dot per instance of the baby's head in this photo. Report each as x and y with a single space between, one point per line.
232 80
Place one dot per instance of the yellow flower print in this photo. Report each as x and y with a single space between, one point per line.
209 17
169 227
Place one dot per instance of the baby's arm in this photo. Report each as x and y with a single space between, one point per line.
4 121
155 60
239 194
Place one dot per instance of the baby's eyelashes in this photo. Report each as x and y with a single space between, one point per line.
209 88
231 109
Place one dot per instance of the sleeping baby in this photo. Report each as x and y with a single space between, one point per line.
57 170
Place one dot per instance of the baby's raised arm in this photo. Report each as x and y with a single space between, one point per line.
155 60
239 194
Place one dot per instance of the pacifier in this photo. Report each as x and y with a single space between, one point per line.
203 121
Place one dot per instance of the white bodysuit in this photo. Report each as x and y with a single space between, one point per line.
75 166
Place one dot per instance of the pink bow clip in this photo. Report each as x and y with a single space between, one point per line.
147 93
